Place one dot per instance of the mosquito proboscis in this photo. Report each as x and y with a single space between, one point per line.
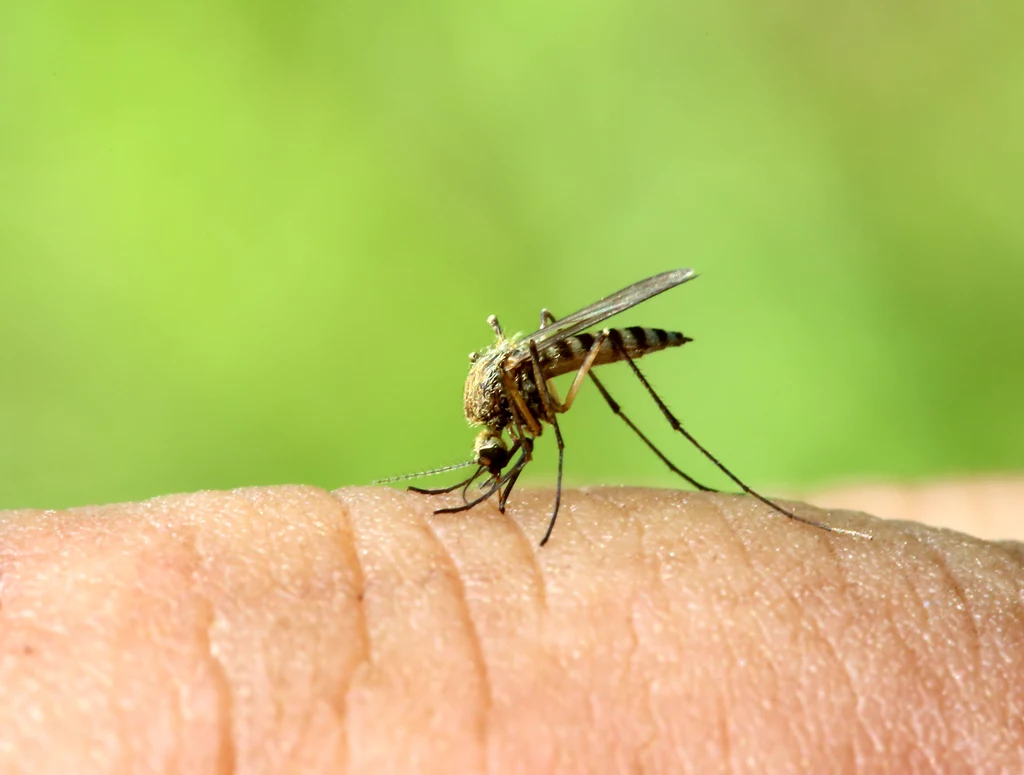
509 392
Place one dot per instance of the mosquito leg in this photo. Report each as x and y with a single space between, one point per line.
508 491
511 483
479 499
470 481
616 409
457 485
678 426
558 483
545 398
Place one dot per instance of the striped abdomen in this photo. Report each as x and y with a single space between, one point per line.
568 355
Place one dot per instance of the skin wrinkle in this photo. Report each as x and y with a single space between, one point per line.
226 753
365 659
844 672
227 749
812 626
634 647
286 746
970 613
809 627
178 708
658 723
530 551
906 653
757 578
344 690
732 529
845 592
290 747
725 733
816 629
722 700
1014 554
1011 553
149 516
966 617
280 600
917 741
873 734
944 673
476 647
596 550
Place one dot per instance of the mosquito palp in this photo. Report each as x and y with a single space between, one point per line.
509 393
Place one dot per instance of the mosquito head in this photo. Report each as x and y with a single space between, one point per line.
490 451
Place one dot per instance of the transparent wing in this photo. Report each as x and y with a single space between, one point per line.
604 309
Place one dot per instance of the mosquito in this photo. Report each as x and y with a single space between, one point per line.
509 392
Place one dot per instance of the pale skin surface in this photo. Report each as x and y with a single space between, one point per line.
289 629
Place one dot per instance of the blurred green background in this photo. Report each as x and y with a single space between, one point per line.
249 243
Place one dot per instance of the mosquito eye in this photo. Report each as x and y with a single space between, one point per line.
494 460
493 456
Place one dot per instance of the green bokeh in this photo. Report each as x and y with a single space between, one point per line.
252 243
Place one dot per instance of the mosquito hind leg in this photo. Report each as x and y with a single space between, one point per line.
616 409
678 426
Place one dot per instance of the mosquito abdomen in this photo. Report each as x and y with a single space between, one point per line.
568 355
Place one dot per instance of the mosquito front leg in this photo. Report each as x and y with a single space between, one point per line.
528 450
545 398
518 403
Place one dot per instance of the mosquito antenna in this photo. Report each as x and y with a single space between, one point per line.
676 425
425 473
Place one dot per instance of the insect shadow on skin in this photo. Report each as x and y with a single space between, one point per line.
509 390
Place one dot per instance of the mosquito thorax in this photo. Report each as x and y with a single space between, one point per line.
484 398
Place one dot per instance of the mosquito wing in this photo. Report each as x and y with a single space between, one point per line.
604 309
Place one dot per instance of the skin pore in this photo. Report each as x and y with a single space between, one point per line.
288 629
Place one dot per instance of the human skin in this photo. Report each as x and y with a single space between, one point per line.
289 629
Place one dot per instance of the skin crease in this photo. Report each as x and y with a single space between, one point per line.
289 629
